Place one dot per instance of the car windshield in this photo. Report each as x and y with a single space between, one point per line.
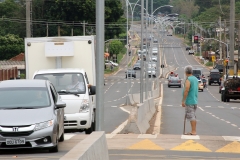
24 97
196 72
73 83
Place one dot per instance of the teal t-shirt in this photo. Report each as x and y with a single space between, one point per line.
192 97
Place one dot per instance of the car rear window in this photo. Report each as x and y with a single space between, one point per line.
215 75
196 72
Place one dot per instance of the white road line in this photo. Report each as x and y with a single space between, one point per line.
201 108
68 136
234 125
207 106
169 105
228 122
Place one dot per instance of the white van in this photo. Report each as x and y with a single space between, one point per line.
69 63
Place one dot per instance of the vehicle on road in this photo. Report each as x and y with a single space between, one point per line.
188 48
155 41
32 115
174 81
153 58
214 77
130 73
219 67
70 66
224 78
200 85
154 51
204 82
190 52
137 66
198 72
152 65
231 89
151 72
109 63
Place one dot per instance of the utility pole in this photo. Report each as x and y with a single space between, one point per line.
28 18
238 74
225 48
147 54
232 27
72 29
141 71
220 38
100 20
59 31
84 27
47 29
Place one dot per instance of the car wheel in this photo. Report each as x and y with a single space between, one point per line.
61 139
168 86
202 90
228 100
209 84
219 84
92 128
55 148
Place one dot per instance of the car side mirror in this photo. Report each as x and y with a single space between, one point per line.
60 104
92 90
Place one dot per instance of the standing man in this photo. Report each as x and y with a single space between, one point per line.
190 98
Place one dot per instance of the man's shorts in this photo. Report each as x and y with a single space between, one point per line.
190 112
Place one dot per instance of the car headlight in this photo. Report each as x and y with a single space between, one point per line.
84 106
39 126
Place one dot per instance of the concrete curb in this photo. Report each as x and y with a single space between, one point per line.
94 147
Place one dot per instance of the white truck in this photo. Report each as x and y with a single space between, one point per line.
69 64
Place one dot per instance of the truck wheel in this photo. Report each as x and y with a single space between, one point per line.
92 128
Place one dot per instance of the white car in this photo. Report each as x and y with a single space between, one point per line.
153 58
107 62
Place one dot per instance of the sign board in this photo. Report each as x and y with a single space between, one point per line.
59 49
213 58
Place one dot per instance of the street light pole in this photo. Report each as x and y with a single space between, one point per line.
100 64
147 54
232 27
127 56
141 72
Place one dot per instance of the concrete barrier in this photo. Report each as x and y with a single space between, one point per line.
140 116
94 147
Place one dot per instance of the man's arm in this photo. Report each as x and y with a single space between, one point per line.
186 90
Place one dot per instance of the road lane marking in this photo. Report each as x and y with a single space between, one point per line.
68 136
233 147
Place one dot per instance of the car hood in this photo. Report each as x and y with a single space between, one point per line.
17 117
73 102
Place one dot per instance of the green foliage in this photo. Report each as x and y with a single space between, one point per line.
115 47
10 46
185 8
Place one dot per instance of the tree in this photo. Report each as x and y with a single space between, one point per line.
115 47
10 46
185 8
9 9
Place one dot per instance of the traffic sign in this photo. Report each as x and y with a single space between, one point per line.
213 58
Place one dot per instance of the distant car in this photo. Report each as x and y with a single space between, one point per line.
32 115
219 67
152 65
155 41
169 34
130 73
188 48
137 66
107 62
151 72
154 58
214 77
174 81
191 52
200 85
154 50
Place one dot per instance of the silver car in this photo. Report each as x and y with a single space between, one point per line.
151 72
174 81
31 115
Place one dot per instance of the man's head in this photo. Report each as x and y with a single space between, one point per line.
188 70
74 79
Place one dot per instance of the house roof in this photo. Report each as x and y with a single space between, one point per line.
11 64
19 57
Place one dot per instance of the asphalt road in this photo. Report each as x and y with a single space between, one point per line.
213 116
